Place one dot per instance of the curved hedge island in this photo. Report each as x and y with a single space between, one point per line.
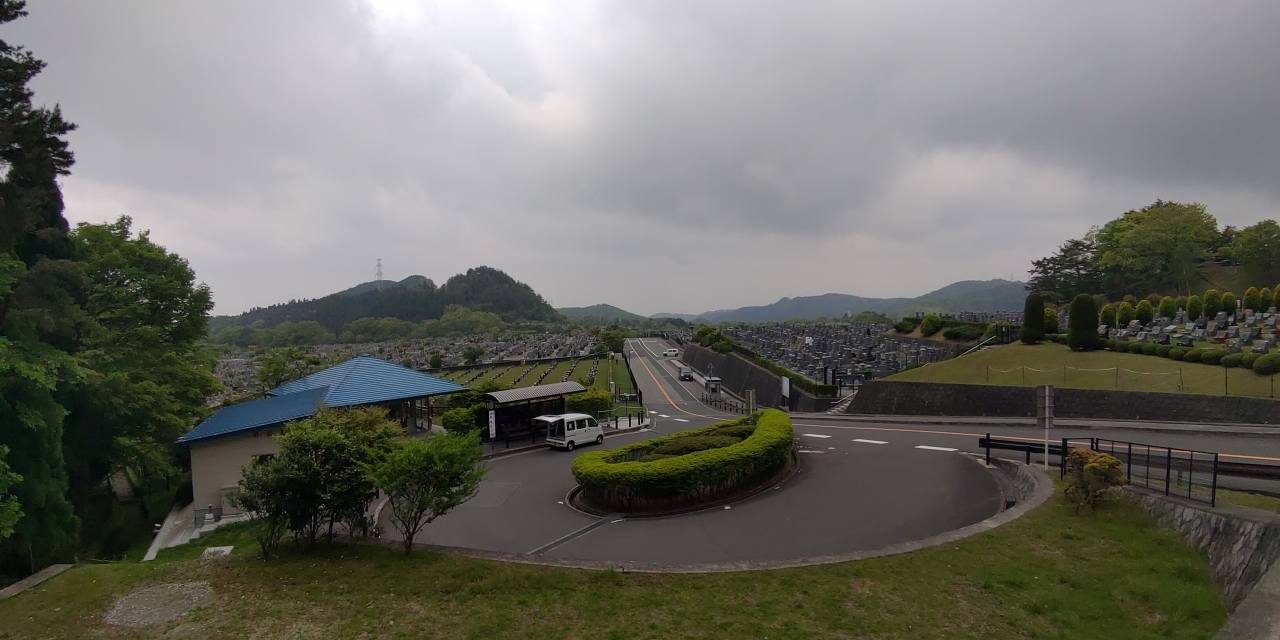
687 469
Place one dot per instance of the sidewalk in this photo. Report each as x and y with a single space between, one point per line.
496 450
1080 423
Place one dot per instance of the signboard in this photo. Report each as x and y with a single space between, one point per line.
786 388
493 424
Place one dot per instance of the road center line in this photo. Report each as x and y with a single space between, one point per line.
815 435
863 441
929 448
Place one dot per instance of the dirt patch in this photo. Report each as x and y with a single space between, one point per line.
158 604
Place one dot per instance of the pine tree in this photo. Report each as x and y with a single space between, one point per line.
40 294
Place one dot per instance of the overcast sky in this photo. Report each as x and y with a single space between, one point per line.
660 156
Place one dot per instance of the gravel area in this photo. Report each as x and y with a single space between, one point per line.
158 604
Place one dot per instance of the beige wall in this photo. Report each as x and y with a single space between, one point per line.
216 464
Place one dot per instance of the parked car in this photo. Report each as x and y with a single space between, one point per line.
671 353
571 430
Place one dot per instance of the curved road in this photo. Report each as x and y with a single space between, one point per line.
850 494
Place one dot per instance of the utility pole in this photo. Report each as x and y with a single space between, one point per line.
379 271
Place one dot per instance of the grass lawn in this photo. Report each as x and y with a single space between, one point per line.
1251 500
1051 574
1044 365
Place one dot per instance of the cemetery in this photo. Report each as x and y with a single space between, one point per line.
839 353
1244 331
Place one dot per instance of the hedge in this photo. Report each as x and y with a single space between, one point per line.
962 332
1267 365
1212 356
617 480
1232 360
1193 355
1177 353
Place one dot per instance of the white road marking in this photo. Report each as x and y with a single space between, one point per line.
809 451
831 448
681 420
816 435
653 412
928 448
663 415
864 441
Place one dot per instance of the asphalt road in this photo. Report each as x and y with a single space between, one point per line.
847 496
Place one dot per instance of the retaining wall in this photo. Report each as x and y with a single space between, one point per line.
739 374
884 397
1242 546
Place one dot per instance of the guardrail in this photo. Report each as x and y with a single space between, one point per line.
1174 468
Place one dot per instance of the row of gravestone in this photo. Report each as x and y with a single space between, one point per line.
812 348
1255 333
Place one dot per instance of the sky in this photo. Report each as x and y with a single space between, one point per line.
659 156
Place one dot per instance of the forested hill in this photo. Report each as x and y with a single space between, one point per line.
415 298
967 295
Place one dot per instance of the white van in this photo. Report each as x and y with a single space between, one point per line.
671 353
570 430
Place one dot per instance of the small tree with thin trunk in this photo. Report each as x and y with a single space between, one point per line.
425 478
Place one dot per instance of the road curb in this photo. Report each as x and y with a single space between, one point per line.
1075 423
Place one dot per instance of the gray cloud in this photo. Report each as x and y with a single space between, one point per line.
659 156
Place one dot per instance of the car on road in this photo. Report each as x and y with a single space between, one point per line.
684 372
570 430
671 353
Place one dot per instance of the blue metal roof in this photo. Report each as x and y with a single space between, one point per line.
366 380
258 413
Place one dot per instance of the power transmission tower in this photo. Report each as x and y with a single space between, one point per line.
379 278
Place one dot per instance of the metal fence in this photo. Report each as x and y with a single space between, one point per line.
1186 473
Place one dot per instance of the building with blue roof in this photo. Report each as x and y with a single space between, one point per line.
236 435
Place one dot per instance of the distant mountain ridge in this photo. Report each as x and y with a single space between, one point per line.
414 298
966 295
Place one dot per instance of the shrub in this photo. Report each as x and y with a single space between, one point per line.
1082 334
930 325
689 444
1229 303
1267 365
1232 360
1163 350
1265 299
962 332
1051 321
592 401
1144 312
1089 476
1247 360
458 420
1033 319
1177 353
617 479
1193 355
738 431
1168 307
1125 314
1212 303
1107 315
1252 300
1212 356
1113 344
1195 308
905 326
1136 347
1150 348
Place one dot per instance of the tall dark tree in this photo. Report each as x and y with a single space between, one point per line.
1082 331
41 289
1072 270
1033 319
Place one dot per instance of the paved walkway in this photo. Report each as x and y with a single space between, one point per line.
33 580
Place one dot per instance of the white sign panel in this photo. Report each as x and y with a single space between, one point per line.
786 387
493 424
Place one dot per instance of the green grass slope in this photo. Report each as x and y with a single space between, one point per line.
1050 574
1048 363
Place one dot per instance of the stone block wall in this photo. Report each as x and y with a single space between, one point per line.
885 397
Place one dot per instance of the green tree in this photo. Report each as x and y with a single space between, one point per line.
264 492
1144 312
930 325
1107 315
436 361
1033 319
1195 308
425 478
10 510
458 420
1229 303
1265 299
1257 249
1168 307
1072 270
613 339
1252 299
472 354
1082 332
1051 323
41 289
299 333
1125 314
1180 303
1157 247
279 366
1212 303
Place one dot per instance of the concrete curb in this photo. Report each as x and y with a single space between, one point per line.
33 580
1041 489
1077 423
542 445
